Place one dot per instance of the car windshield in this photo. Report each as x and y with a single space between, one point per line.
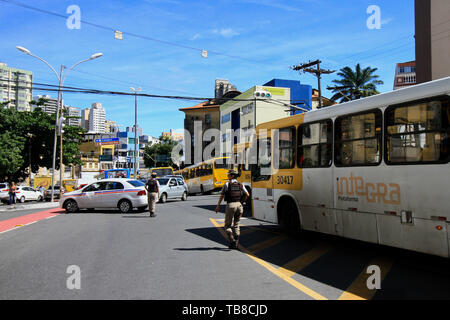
136 183
163 181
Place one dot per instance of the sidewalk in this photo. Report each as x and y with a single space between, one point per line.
29 206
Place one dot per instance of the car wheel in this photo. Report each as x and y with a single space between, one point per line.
184 196
163 198
22 199
39 199
125 206
71 206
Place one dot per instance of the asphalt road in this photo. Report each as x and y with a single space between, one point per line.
182 254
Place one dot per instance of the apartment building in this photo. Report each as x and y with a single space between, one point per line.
16 87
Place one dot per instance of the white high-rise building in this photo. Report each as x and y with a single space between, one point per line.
16 87
50 104
97 119
73 112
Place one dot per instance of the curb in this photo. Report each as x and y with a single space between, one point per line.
16 207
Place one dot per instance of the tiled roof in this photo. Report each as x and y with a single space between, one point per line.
202 105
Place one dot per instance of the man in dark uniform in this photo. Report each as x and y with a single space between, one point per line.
234 193
152 187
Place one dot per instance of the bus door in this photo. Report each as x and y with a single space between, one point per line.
262 186
314 159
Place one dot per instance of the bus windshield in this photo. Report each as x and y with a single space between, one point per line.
163 172
222 164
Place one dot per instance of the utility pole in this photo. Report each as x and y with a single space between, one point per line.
136 151
306 67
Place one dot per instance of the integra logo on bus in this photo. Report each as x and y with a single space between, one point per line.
374 192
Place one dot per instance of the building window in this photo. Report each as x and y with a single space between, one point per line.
226 118
315 144
286 140
358 139
207 119
418 133
247 109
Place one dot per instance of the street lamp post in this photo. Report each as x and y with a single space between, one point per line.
61 77
135 129
29 157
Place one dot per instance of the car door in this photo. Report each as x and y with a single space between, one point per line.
32 194
24 193
181 186
172 191
112 193
91 196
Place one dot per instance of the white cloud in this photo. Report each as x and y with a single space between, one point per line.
386 21
196 36
274 4
226 32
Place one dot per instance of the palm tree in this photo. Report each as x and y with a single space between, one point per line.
356 84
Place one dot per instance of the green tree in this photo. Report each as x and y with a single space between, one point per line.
28 137
356 84
164 148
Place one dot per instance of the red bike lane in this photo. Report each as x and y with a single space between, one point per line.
17 222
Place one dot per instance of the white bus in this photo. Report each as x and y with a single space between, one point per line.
375 169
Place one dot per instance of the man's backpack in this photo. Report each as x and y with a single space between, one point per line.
152 185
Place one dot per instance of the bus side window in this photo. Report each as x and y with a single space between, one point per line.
418 133
286 153
315 143
358 139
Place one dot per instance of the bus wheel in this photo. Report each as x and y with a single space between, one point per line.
288 217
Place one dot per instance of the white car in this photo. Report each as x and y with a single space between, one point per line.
124 194
23 194
172 187
4 192
27 194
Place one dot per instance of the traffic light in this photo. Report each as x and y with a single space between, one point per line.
61 125
262 94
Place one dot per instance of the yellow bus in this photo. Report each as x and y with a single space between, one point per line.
375 169
207 176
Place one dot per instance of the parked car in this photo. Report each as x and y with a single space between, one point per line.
23 193
172 187
122 193
4 192
48 193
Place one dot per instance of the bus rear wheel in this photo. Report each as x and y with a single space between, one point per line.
288 217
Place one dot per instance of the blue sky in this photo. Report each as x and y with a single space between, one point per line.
265 38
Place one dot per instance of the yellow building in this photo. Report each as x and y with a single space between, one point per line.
97 157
